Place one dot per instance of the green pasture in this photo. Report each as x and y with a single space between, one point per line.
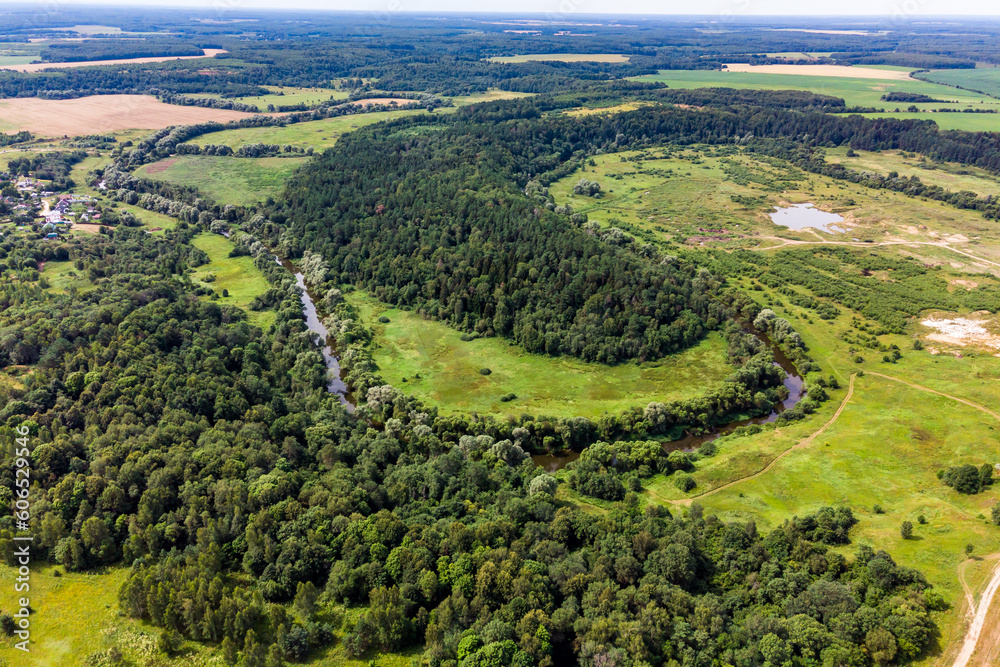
985 78
285 95
317 134
64 277
227 180
855 92
563 58
239 275
951 176
449 376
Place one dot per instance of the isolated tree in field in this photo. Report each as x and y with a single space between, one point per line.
969 549
906 530
995 514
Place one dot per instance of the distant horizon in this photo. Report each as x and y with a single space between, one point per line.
568 10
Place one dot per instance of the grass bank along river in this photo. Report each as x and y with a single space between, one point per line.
793 383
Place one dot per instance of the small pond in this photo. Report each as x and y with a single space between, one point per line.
806 216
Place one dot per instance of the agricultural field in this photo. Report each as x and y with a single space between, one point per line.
316 134
101 114
863 92
237 275
227 180
438 366
563 58
38 67
985 78
286 95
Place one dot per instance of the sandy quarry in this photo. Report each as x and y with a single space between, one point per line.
822 70
963 331
38 67
102 113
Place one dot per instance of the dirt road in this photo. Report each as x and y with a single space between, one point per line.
976 628
801 444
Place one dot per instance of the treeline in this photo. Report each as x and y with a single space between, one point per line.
913 60
54 167
909 97
115 49
15 138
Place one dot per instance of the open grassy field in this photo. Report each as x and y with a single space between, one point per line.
985 78
78 615
63 277
951 176
889 440
686 195
18 53
317 134
885 448
838 71
286 95
855 92
101 114
563 58
37 67
488 96
565 386
227 180
239 275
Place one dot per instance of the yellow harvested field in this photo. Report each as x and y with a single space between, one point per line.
101 114
563 58
822 70
38 67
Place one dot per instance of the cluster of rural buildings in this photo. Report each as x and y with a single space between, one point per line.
31 200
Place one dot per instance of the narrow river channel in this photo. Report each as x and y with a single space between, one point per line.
336 384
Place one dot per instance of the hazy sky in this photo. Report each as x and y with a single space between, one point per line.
566 8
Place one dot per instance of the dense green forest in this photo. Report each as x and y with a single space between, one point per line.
175 436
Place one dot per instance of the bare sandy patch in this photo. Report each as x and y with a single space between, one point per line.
972 330
38 67
821 70
967 284
103 113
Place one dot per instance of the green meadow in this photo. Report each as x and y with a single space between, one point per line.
286 95
562 58
409 346
855 92
316 134
985 78
227 180
238 275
